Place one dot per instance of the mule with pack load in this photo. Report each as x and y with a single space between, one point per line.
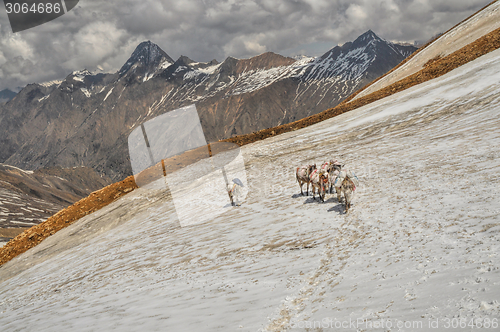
330 175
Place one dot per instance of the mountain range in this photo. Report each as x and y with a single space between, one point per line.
85 119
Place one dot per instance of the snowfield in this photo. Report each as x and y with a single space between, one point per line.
419 250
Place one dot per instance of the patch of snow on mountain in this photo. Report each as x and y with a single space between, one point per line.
347 66
191 74
80 75
108 94
180 68
257 79
148 76
50 83
43 98
164 65
86 92
304 60
18 209
209 70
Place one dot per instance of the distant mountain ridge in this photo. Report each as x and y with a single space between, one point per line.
7 95
85 119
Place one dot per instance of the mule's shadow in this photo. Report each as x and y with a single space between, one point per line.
328 200
337 208
332 199
311 200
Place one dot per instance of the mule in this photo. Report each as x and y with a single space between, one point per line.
346 183
319 180
302 175
348 190
335 170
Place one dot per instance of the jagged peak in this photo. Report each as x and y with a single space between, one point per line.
213 62
77 75
368 36
361 41
151 48
229 62
262 61
184 60
83 72
146 54
269 55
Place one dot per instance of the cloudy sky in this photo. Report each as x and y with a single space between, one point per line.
105 32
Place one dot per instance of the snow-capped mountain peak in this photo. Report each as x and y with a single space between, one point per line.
79 75
83 72
146 60
367 37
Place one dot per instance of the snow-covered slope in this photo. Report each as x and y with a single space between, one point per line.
463 34
419 247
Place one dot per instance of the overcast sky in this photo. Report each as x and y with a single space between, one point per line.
105 32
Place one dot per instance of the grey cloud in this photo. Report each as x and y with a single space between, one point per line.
104 33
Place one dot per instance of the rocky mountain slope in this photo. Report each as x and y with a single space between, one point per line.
29 197
85 119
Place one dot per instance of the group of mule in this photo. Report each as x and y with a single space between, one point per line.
330 175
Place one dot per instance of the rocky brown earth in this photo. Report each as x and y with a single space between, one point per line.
29 197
